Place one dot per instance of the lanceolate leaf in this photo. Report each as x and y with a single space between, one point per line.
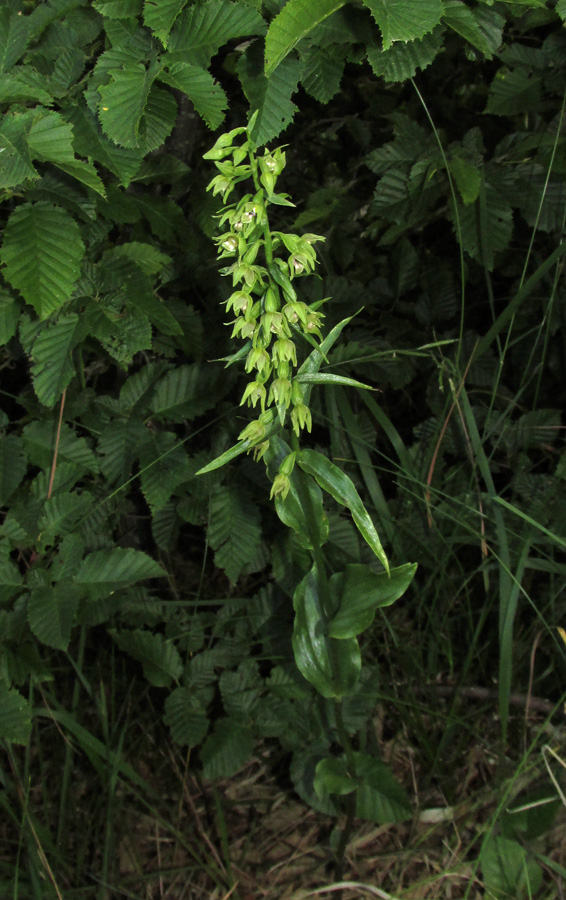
400 20
294 22
205 94
341 487
42 252
52 367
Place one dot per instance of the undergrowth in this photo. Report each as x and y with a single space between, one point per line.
176 716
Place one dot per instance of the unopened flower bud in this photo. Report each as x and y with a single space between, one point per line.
230 244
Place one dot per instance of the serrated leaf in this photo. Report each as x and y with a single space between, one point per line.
165 218
9 317
203 91
52 367
123 102
51 613
11 581
400 20
201 30
233 530
90 141
50 139
164 524
186 717
321 74
164 465
341 487
271 97
19 87
42 252
401 61
61 513
467 177
13 37
106 571
292 24
181 394
227 749
158 120
39 440
150 260
514 92
481 26
240 690
14 153
160 16
15 716
117 444
84 172
12 466
486 226
333 667
118 9
159 657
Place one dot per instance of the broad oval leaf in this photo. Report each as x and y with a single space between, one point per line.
333 667
341 487
42 252
400 20
159 657
227 749
106 571
292 24
362 592
379 798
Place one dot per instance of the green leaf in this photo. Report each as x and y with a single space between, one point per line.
360 592
12 466
160 16
90 141
52 367
85 173
61 514
13 37
123 102
158 119
203 91
106 571
42 252
22 85
401 61
227 749
39 441
118 9
514 92
160 658
164 465
50 139
201 30
290 509
333 667
240 690
332 777
51 613
150 260
400 20
486 226
234 531
186 717
379 798
117 444
508 870
11 581
271 97
15 716
333 379
341 487
322 74
292 24
14 153
182 394
467 177
481 26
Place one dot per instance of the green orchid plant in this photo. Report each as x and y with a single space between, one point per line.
331 608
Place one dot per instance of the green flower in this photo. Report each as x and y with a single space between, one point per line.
254 393
300 418
258 359
280 392
283 350
281 487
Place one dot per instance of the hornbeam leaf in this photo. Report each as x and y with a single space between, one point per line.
42 253
52 368
205 94
13 37
160 15
106 571
292 24
159 657
85 173
16 162
15 716
401 61
50 139
118 9
90 141
271 97
51 613
400 20
480 26
123 102
201 30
